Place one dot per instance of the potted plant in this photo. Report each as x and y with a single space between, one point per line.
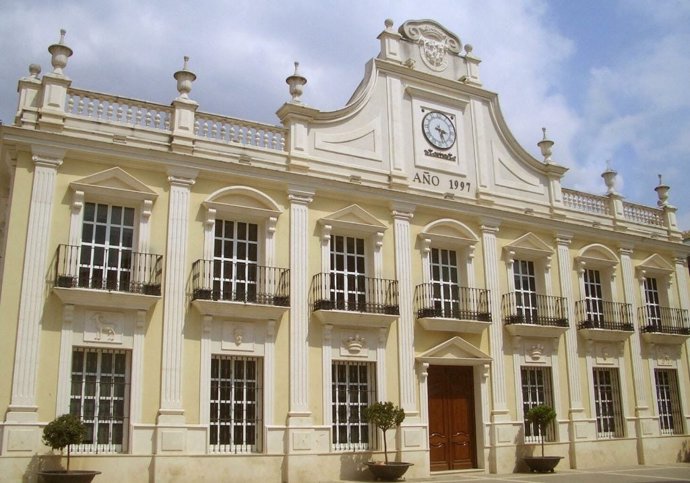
62 432
385 415
541 416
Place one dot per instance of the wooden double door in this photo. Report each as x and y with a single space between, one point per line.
452 438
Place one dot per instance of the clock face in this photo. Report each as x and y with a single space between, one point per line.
439 130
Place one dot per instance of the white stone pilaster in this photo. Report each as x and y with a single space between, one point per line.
64 364
269 372
33 290
564 274
629 287
403 271
491 257
137 379
326 361
174 308
205 370
381 391
299 303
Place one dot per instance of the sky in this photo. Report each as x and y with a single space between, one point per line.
609 79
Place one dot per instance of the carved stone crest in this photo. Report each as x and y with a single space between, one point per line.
103 327
435 42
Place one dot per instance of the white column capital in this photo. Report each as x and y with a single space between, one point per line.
180 181
564 239
300 196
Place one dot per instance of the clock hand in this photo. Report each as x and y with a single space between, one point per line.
441 132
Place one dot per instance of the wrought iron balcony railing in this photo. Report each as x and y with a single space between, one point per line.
451 301
530 308
354 293
113 269
240 282
598 314
665 320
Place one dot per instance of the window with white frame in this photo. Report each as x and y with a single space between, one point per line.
99 397
348 273
235 404
652 302
353 388
594 297
525 289
235 261
107 241
607 402
668 401
536 390
445 282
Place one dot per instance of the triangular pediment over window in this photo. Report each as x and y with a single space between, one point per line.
654 265
455 352
114 182
528 246
243 201
354 219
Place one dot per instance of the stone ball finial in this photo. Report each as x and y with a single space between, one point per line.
468 48
184 79
296 82
388 23
34 70
60 53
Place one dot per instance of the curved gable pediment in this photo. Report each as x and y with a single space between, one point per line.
448 232
455 352
114 183
353 218
529 246
596 255
242 201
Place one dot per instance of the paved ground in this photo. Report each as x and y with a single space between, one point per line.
627 474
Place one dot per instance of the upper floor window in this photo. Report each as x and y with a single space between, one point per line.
235 260
107 244
525 282
348 281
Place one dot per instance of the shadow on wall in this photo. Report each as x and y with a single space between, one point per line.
521 450
35 465
353 466
684 453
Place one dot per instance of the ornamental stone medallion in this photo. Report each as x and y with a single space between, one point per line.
434 42
103 327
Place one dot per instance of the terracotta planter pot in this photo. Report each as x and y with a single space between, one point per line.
542 464
62 476
388 471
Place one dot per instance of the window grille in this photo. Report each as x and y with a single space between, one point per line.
236 398
107 239
607 403
536 390
99 397
594 296
444 276
525 289
353 389
348 273
235 256
668 401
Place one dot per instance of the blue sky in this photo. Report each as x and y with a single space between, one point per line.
609 79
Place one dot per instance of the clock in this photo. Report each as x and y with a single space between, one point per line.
438 130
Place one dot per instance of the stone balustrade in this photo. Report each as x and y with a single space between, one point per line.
229 130
586 202
131 112
643 214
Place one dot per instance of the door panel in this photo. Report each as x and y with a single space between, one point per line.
452 439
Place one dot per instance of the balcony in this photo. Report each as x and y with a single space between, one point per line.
452 308
354 300
107 277
604 321
243 290
663 325
532 315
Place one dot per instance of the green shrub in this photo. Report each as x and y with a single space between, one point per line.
542 416
384 415
64 431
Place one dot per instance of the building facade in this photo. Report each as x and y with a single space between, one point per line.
208 293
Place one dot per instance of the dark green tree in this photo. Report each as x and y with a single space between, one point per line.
64 431
542 416
384 415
